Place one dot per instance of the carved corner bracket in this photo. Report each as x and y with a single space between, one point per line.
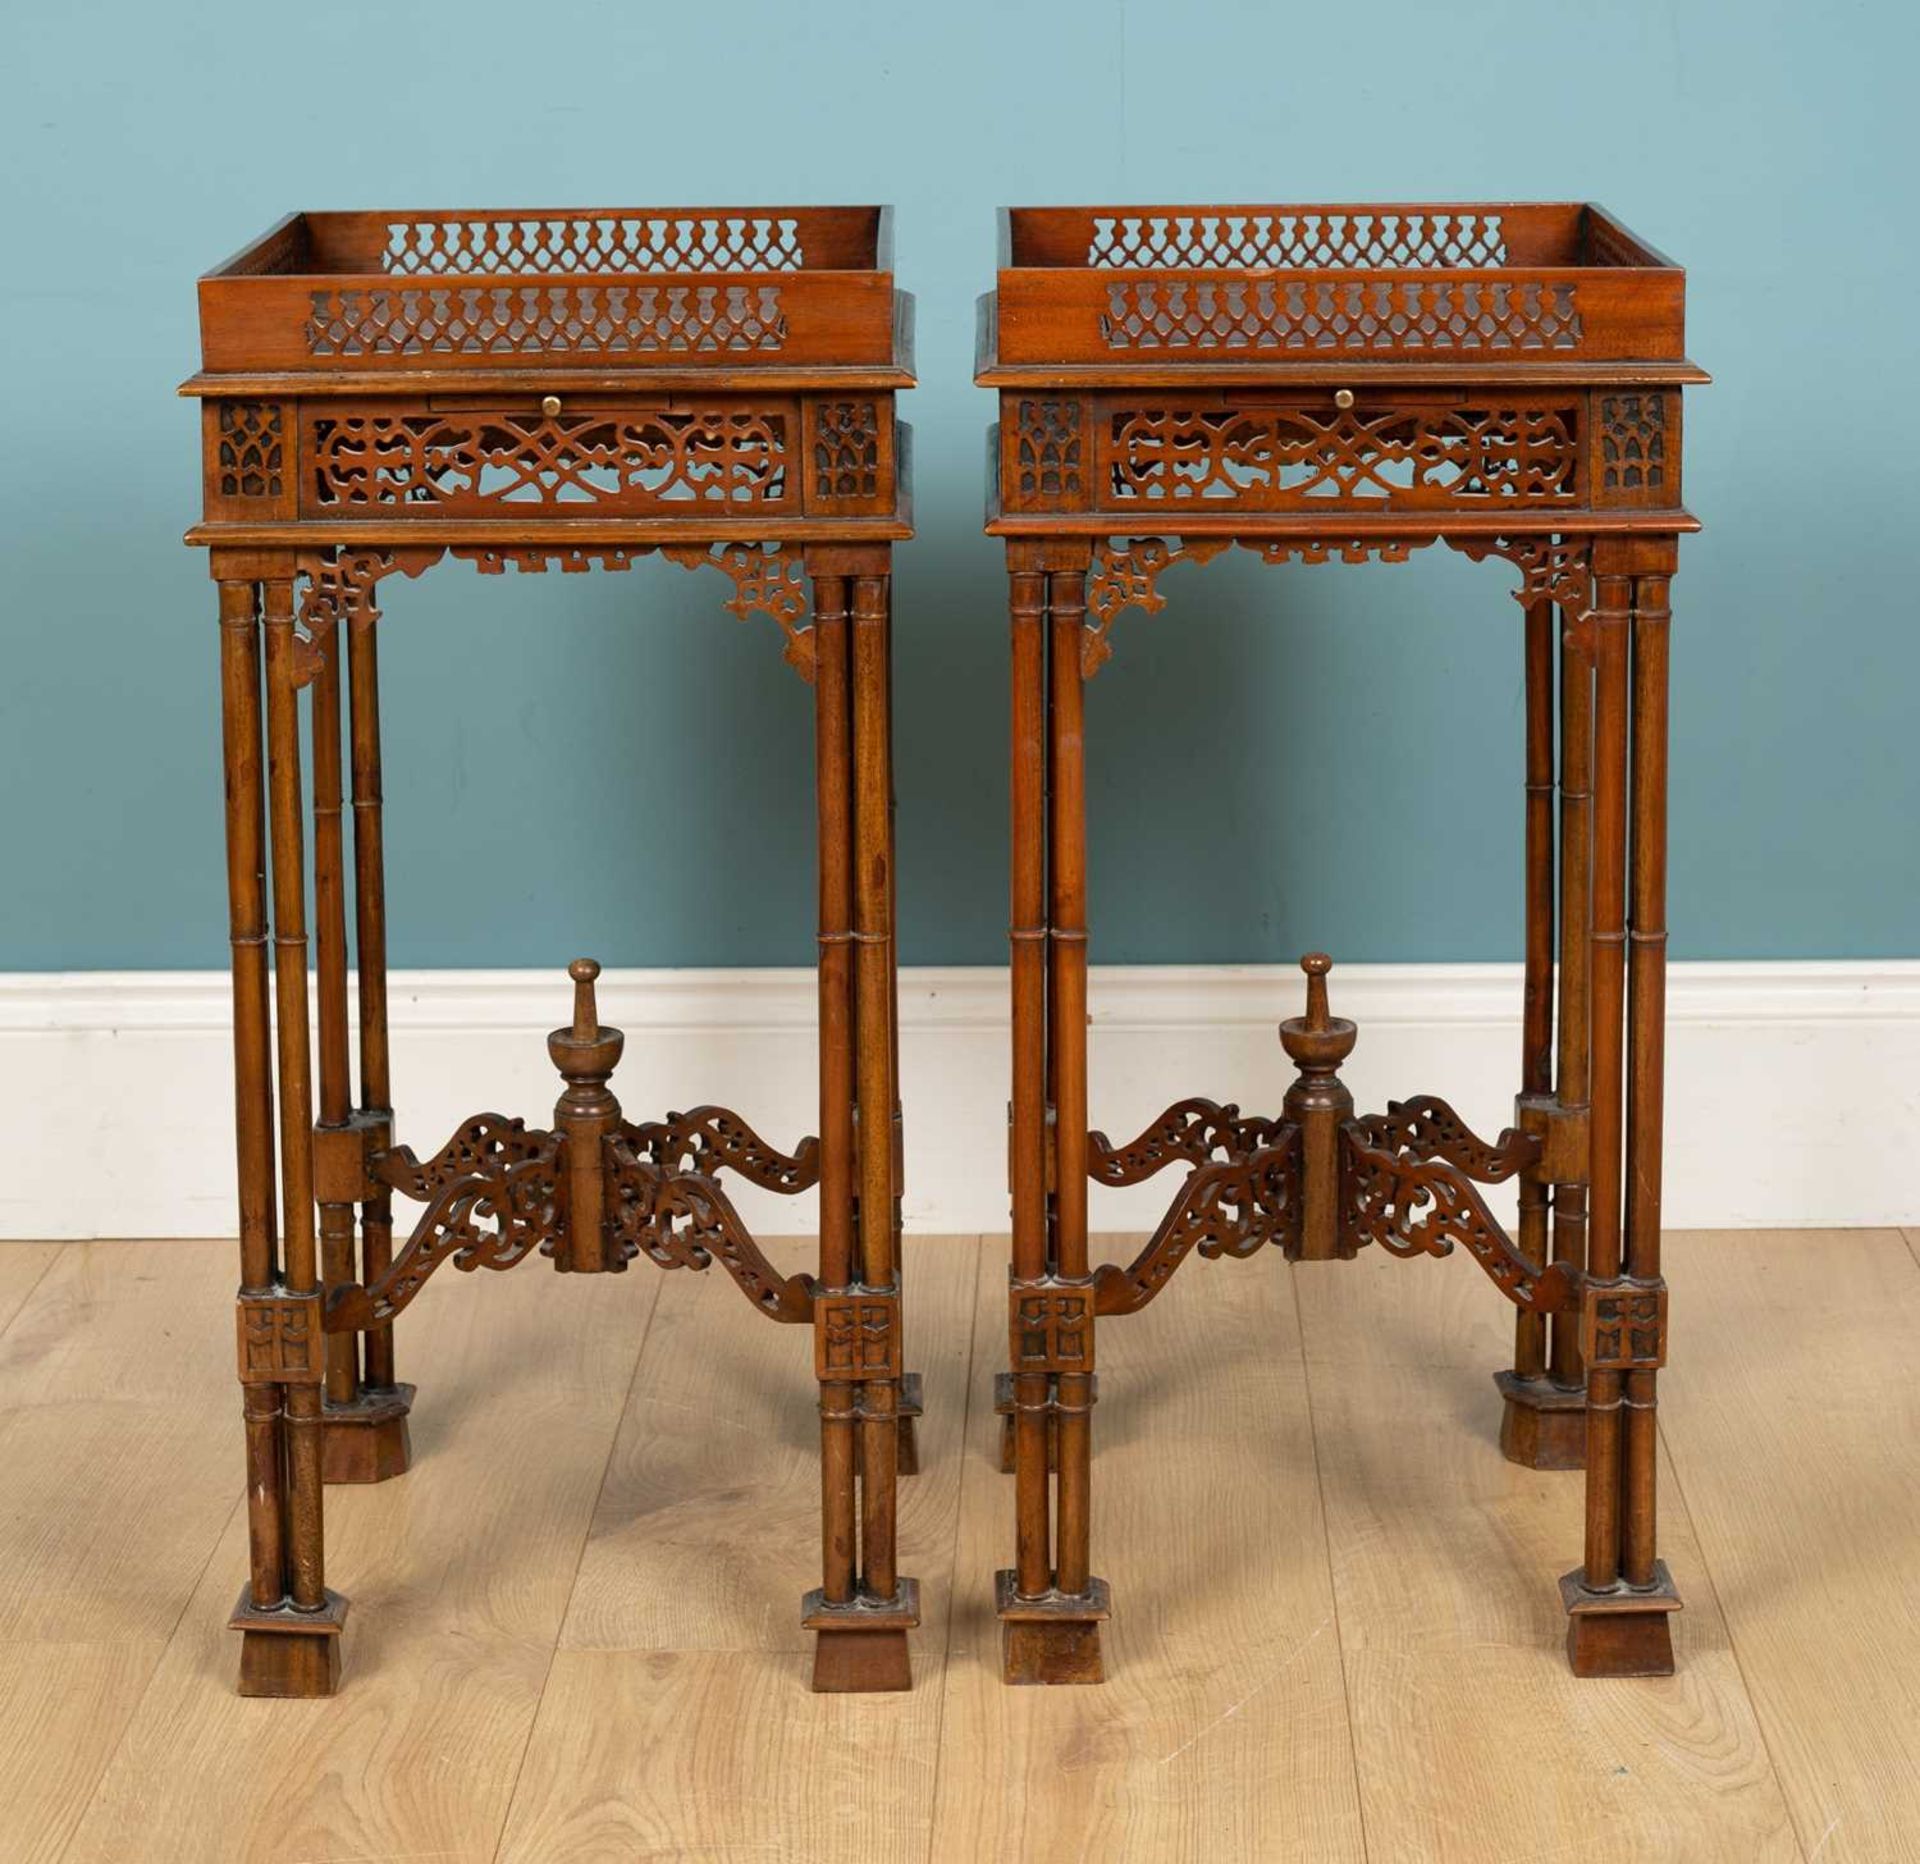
771 578
1126 571
341 579
1556 569
339 588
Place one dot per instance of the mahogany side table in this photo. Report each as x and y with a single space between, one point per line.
1312 383
383 390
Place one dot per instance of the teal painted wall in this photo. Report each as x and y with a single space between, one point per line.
1283 758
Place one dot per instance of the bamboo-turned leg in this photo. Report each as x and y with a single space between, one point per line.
252 1071
1543 1425
366 1434
912 1400
290 1645
1053 1636
1028 1444
861 1618
1566 1369
1620 1599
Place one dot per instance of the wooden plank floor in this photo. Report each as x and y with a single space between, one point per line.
1337 1634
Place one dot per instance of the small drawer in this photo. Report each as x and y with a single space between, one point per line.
1363 448
555 453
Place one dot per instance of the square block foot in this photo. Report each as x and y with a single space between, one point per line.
366 1441
1542 1425
1003 1405
861 1646
1055 1639
909 1408
1621 1632
860 1662
289 1653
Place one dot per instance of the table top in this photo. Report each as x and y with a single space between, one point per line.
689 296
1411 292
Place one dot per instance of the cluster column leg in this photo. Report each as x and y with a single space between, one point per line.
1566 1370
290 1622
366 1422
1050 1616
864 1608
1543 1425
1620 1599
911 1388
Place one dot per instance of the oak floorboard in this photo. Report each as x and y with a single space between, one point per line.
1473 1739
1221 1731
21 1267
708 1529
119 1460
678 1722
458 1573
1793 1418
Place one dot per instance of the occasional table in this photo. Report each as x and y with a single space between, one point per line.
1310 384
382 391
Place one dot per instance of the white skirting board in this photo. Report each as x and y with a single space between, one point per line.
1793 1088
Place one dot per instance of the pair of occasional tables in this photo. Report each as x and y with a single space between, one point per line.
381 392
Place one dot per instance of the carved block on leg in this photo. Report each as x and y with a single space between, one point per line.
367 1441
1624 1631
1543 1425
861 1646
1055 1639
287 1652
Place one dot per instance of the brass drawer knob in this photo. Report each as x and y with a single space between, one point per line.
550 405
1342 399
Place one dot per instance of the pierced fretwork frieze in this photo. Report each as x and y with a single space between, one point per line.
1623 1325
1635 455
1227 1207
1287 458
251 450
422 463
713 1139
771 578
533 560
1349 316
340 583
1126 571
580 319
682 1219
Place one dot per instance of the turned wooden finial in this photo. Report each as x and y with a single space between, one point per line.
586 1012
1319 1041
1316 964
1319 1104
586 1055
